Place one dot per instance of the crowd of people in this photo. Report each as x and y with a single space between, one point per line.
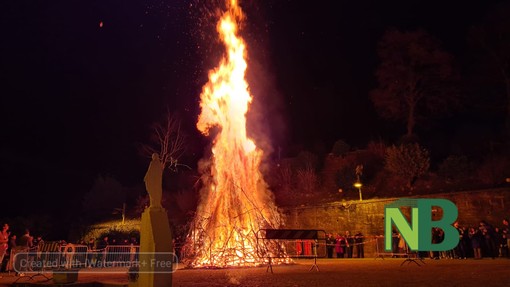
106 241
484 240
478 242
10 242
345 245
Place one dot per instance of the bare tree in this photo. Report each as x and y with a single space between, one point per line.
167 140
490 58
285 177
416 78
307 180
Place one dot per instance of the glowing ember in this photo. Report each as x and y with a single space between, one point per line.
235 203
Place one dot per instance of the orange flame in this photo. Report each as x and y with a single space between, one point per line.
236 203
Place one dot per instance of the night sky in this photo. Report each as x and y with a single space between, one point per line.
81 81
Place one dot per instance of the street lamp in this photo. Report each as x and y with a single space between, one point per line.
358 185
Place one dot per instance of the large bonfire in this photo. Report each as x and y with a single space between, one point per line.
235 203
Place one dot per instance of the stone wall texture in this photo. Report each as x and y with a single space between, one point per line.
367 216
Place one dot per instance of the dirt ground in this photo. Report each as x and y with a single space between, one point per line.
333 272
358 272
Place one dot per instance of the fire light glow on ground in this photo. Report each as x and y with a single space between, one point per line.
236 202
333 272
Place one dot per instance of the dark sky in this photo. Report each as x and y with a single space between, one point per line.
76 97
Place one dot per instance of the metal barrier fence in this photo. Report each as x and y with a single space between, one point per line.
51 255
304 248
71 256
287 243
120 254
372 246
397 251
293 243
366 246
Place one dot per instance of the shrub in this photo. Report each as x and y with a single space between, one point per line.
340 148
494 170
408 162
455 167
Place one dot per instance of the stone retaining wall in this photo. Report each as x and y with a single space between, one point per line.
367 216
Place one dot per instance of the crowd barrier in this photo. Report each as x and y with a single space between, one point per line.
371 246
291 243
381 252
52 255
120 254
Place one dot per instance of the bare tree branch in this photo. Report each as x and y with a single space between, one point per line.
167 140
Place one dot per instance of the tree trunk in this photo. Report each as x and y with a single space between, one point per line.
410 120
507 120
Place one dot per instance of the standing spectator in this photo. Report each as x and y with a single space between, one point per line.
101 251
91 244
395 238
360 248
330 245
505 239
339 246
489 236
90 251
12 242
38 241
4 239
467 242
401 245
498 240
445 254
460 249
436 238
475 237
349 244
103 244
133 249
7 266
26 240
133 254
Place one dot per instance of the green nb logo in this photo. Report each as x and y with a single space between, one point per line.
418 234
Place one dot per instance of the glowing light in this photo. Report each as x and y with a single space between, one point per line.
235 202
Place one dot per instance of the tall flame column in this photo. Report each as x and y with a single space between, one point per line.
235 203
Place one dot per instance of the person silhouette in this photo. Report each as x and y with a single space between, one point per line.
154 180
